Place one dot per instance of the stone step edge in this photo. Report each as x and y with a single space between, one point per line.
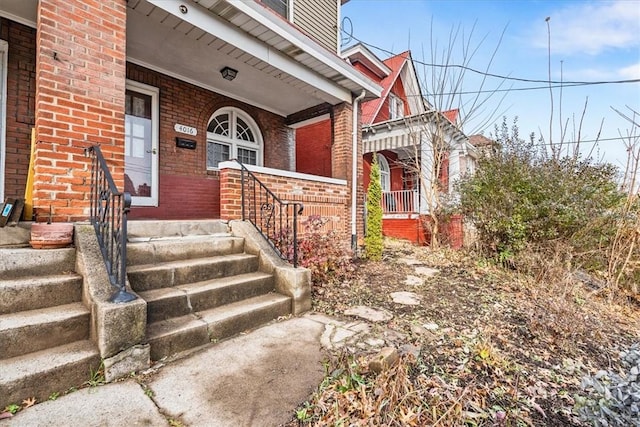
189 262
38 362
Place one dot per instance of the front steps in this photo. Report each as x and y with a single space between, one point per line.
199 284
44 326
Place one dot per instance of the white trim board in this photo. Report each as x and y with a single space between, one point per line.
283 173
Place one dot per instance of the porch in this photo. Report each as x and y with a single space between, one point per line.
161 108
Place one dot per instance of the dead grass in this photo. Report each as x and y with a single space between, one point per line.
511 348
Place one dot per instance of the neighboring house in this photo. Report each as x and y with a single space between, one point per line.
172 90
484 145
397 128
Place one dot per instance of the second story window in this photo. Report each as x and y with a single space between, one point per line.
281 7
396 107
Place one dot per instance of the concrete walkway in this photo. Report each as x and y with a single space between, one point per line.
257 379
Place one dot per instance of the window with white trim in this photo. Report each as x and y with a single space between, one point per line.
232 134
396 107
385 173
281 7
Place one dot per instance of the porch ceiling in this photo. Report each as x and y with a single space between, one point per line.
274 72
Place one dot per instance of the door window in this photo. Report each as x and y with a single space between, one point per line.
141 144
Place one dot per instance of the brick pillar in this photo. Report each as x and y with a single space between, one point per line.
341 159
80 84
230 194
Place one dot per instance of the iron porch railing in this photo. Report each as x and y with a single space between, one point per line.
276 220
108 214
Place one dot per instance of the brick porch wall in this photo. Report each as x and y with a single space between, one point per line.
329 200
414 230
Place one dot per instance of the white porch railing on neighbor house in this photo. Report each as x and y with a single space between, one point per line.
400 202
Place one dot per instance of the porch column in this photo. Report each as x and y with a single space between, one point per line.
80 84
341 162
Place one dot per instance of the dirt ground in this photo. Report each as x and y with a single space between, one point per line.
493 347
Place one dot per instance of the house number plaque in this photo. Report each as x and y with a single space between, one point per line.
185 129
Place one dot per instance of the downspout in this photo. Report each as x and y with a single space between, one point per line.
354 172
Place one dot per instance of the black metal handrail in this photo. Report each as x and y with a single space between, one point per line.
108 214
276 220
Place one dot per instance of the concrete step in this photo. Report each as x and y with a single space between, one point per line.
232 319
33 292
141 230
44 372
172 336
178 301
30 331
24 262
189 247
175 273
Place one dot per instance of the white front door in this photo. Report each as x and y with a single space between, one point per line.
141 144
3 113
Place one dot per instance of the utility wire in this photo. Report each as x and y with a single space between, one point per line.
520 89
517 79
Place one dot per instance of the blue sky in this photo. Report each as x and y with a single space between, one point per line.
589 40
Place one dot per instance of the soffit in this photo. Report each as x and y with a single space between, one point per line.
162 40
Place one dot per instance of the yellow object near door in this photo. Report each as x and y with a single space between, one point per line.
28 192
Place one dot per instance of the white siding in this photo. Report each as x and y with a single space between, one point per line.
319 20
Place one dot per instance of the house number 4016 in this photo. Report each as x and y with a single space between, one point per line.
185 129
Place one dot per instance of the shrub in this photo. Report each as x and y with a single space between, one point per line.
373 241
323 252
520 196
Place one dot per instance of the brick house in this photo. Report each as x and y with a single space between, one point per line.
171 91
397 128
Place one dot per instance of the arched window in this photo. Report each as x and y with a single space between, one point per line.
232 134
385 173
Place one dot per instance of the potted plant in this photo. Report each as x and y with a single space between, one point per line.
51 235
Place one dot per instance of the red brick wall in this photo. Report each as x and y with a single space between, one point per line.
413 229
79 97
341 157
187 190
20 112
404 228
328 200
451 231
313 148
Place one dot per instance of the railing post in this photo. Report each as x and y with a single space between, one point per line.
242 191
295 235
121 294
108 215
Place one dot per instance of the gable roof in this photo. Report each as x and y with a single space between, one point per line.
371 108
452 115
401 66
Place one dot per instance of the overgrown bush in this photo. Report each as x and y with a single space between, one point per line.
373 240
323 252
520 196
613 399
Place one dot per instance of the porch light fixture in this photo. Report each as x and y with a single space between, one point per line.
229 73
